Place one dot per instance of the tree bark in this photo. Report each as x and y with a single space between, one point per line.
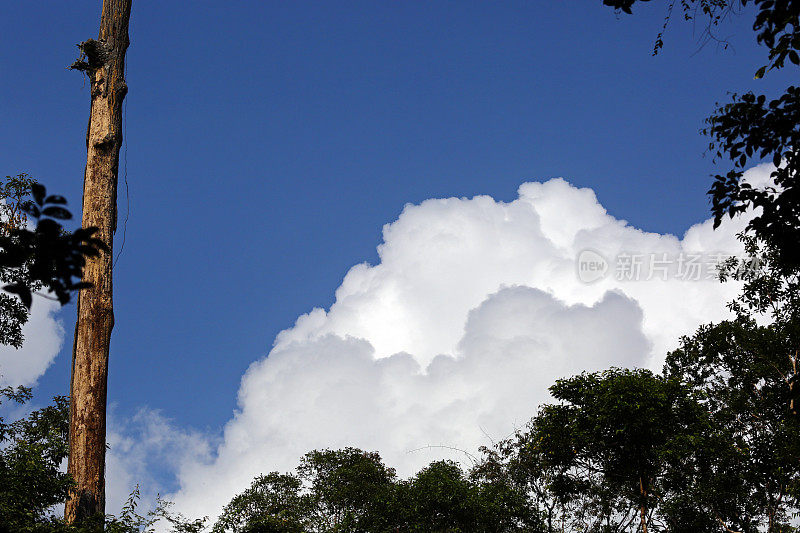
642 508
105 65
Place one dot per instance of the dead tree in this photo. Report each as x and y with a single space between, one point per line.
103 61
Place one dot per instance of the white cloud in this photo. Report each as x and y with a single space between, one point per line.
139 447
473 311
44 336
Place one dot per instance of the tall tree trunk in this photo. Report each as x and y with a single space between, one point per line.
105 65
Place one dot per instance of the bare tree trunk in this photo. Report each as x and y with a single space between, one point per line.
105 65
642 508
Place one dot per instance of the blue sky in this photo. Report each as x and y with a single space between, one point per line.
267 143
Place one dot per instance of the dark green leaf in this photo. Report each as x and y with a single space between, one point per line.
22 291
55 199
57 212
38 191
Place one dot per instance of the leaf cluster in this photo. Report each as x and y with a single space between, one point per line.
776 23
350 490
750 127
747 368
31 452
14 194
611 454
51 256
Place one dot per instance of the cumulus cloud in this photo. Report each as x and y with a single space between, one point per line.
44 336
474 309
141 446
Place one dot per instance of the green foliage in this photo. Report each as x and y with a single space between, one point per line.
349 489
14 194
272 504
13 315
442 498
352 491
32 485
610 454
50 256
130 521
15 191
752 127
746 368
519 473
341 490
31 451
47 256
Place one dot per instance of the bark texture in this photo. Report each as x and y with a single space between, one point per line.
105 65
